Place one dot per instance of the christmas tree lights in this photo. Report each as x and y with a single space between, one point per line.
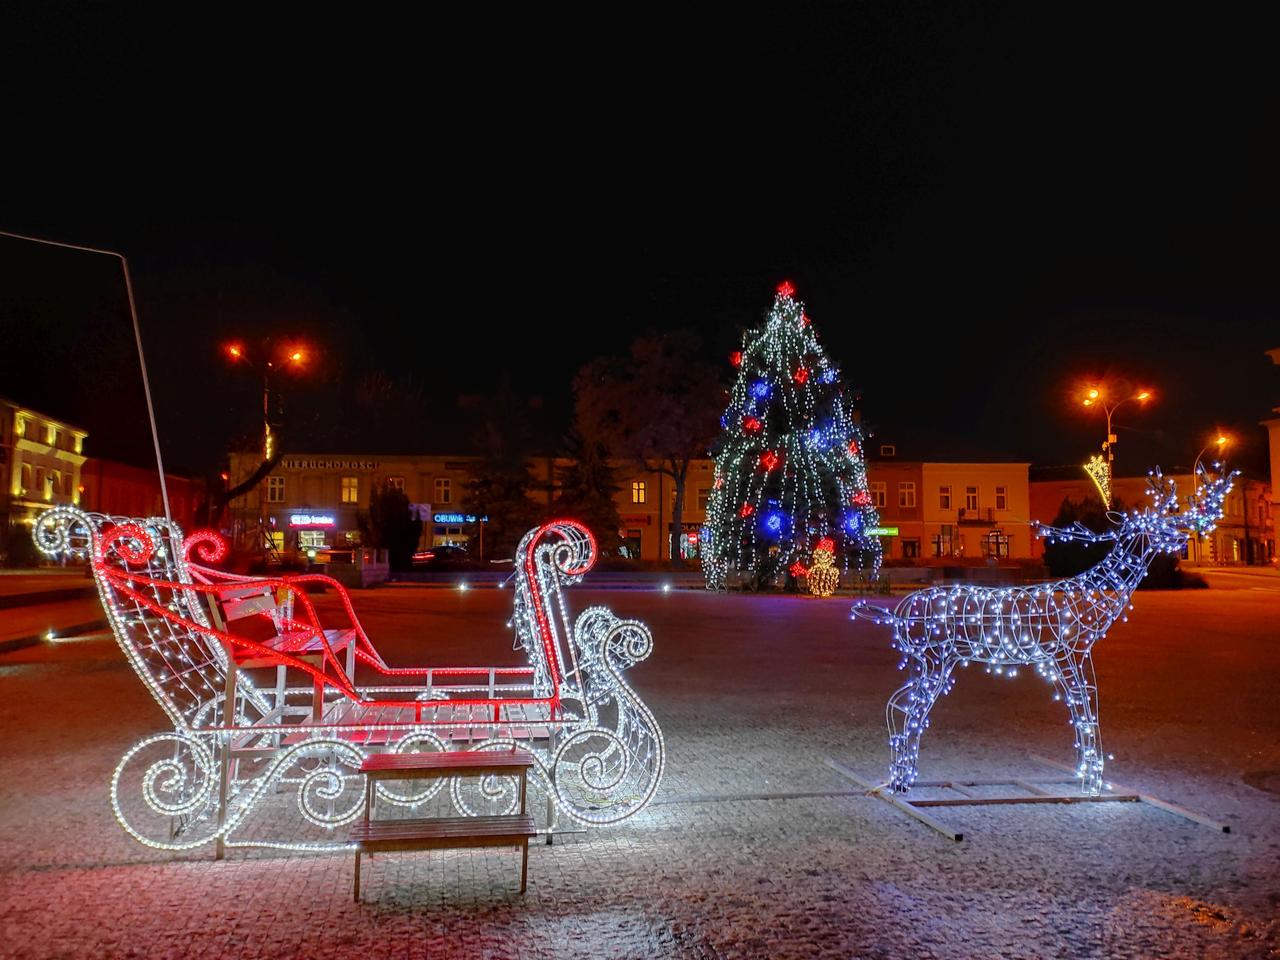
789 468
1052 627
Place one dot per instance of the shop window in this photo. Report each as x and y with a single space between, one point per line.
911 549
995 544
311 539
630 546
943 542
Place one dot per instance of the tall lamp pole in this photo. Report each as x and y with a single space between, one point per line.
1220 442
137 336
1102 397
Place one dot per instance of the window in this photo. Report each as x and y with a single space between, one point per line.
995 544
944 498
888 450
631 545
26 478
907 493
350 489
310 539
444 490
40 487
1002 498
395 483
638 494
910 549
704 497
971 498
942 542
275 489
878 493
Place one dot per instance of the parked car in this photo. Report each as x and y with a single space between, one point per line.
441 558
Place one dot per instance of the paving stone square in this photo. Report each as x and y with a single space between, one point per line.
754 845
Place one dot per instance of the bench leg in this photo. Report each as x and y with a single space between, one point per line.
357 889
524 864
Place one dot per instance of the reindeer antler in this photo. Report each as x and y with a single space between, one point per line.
1163 491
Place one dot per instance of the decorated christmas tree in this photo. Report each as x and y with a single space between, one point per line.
790 471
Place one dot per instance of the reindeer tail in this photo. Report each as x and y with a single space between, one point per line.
866 610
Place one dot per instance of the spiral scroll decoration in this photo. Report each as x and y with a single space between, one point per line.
491 795
414 743
175 787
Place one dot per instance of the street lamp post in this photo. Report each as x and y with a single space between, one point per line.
267 361
1098 396
1220 442
293 356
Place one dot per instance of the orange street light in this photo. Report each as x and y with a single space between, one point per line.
234 351
1095 396
296 356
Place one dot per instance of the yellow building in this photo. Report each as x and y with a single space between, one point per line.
938 511
41 461
311 501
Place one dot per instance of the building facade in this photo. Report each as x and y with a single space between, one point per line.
123 490
41 461
939 512
931 511
313 501
1244 535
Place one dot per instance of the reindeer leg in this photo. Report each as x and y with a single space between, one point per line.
907 715
1080 690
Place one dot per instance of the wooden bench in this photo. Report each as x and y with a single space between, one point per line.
444 833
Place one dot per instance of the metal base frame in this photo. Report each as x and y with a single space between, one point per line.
1031 789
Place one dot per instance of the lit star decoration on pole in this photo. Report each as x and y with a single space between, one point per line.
789 465
1100 474
1051 627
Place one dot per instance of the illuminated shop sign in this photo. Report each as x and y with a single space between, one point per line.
882 531
459 518
312 520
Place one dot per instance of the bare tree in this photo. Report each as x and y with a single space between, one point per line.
657 407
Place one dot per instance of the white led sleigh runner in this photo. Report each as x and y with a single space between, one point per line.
1051 627
191 632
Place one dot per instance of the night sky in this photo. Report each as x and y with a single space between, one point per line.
978 211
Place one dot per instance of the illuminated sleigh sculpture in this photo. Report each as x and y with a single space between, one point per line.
599 752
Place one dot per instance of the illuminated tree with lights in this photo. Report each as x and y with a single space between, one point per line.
789 463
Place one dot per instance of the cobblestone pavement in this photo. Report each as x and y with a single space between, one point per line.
754 846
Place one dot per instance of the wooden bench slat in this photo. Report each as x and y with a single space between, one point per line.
444 763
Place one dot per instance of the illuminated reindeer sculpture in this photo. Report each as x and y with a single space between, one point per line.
1051 626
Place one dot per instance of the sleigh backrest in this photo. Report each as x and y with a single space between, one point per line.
549 558
142 580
